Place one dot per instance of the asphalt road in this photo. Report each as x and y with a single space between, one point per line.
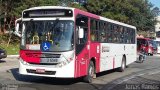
11 80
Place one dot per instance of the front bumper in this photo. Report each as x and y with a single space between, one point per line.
66 71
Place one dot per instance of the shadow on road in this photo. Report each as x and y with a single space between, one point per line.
51 80
106 72
44 80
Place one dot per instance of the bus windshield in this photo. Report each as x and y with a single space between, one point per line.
56 34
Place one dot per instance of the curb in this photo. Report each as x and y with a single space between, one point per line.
13 56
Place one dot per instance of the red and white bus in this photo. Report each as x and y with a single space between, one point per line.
67 42
148 45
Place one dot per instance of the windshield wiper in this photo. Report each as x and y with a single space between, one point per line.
55 24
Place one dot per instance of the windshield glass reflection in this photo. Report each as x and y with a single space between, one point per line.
48 35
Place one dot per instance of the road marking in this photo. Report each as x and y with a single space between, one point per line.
151 73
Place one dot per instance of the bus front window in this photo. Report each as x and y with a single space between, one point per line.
56 35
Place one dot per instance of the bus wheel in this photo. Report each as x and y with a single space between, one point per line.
123 65
90 73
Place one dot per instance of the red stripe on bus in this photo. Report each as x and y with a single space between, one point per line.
30 56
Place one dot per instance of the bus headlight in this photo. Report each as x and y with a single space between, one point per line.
65 60
23 62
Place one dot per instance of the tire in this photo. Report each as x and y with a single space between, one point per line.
123 65
90 73
141 59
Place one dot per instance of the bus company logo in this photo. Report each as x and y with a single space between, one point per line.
105 49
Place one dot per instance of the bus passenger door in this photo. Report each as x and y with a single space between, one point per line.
82 53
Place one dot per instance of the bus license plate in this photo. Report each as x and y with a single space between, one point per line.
40 70
49 60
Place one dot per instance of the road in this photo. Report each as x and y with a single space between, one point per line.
11 80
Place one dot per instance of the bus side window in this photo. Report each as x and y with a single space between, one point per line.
92 37
133 36
103 32
120 34
94 31
109 34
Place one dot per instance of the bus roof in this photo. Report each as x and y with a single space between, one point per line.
91 15
117 22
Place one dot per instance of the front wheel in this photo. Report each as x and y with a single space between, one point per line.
90 73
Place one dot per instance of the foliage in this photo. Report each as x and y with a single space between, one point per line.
25 4
4 39
13 48
76 5
156 11
135 12
139 13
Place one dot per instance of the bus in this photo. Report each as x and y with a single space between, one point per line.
148 45
65 42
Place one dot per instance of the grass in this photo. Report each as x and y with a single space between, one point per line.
12 49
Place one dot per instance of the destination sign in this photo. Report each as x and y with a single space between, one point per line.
47 13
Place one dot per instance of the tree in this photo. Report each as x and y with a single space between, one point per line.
144 18
12 9
139 13
156 11
135 12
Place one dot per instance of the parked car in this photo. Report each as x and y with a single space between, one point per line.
3 53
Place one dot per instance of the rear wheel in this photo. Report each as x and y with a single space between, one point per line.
90 73
123 65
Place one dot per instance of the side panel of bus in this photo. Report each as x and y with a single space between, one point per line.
88 51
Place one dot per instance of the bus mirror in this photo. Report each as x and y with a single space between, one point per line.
17 27
16 32
81 32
